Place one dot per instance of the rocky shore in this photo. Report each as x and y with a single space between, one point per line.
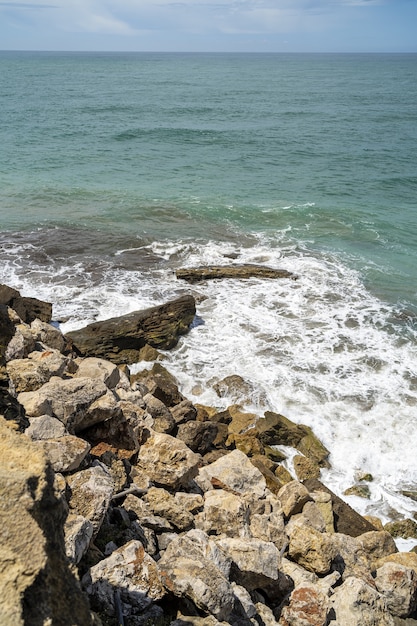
122 503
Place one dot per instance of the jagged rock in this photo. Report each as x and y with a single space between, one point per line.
346 520
161 384
105 371
163 504
136 507
246 606
356 603
283 475
311 549
233 472
324 502
163 420
28 309
192 502
48 335
398 585
240 421
359 490
193 567
377 544
78 534
91 492
299 575
404 528
36 584
195 274
305 468
31 373
45 427
128 573
272 481
68 400
255 563
7 331
224 513
309 516
408 559
124 432
120 339
269 526
293 496
184 411
65 454
308 606
265 615
351 558
198 436
235 387
248 443
167 461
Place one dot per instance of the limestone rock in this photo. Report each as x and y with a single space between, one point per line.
48 335
125 430
308 606
408 559
255 563
163 421
196 274
65 454
120 339
45 427
163 504
128 571
189 568
323 501
265 615
398 585
167 461
293 496
92 367
91 492
351 558
68 400
377 544
358 604
402 528
161 384
36 583
78 534
192 502
224 513
305 468
141 510
311 549
233 472
184 411
31 373
28 309
198 436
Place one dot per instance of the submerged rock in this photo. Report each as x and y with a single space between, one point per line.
195 274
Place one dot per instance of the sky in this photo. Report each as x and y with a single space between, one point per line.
210 25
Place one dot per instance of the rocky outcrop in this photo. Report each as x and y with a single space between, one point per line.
196 274
28 309
120 339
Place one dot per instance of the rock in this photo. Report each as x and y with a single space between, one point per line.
192 502
311 549
184 411
310 516
120 339
167 461
398 585
248 443
37 585
308 606
224 513
265 615
128 573
28 309
293 496
161 384
136 507
198 436
163 421
346 520
408 559
240 421
235 387
273 483
65 454
269 527
356 603
255 562
124 432
323 501
45 427
361 491
192 567
91 492
31 373
69 401
7 330
105 371
246 606
233 472
305 468
402 528
163 504
377 544
195 274
351 558
48 335
78 534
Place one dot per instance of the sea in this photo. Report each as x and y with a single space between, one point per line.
116 169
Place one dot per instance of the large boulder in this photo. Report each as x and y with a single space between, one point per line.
37 585
28 309
233 472
357 603
120 339
31 373
255 563
210 272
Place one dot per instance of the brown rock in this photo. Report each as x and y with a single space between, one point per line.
161 384
195 274
311 549
120 339
308 606
293 496
198 436
402 528
28 309
163 504
305 468
398 584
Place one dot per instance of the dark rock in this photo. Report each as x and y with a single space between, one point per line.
193 275
198 436
160 384
120 339
28 309
346 520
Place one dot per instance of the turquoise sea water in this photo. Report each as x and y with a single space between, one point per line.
117 168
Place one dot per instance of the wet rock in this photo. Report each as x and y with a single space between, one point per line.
360 490
233 472
402 528
210 272
128 575
120 339
91 493
28 309
167 461
305 468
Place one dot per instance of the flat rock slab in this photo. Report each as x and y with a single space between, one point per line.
196 274
120 339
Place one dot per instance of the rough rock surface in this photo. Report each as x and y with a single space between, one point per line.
195 274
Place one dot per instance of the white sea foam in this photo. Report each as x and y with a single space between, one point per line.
321 349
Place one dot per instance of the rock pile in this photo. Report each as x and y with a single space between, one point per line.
123 503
